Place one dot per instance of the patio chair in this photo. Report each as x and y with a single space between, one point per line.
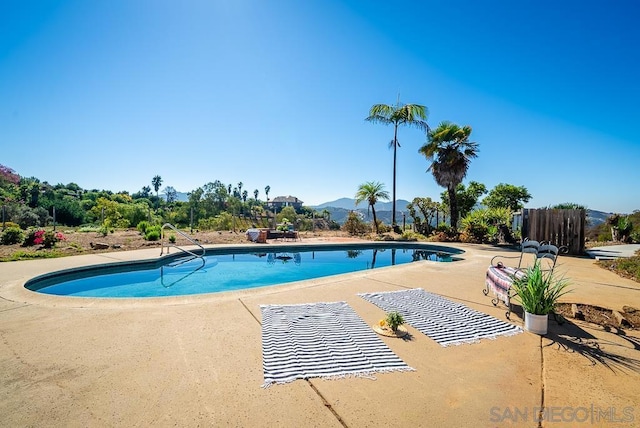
500 275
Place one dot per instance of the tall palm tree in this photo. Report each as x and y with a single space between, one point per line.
372 191
267 189
450 152
255 194
156 182
414 115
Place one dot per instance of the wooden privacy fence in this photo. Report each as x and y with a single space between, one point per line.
559 227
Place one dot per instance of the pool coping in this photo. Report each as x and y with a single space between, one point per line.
20 293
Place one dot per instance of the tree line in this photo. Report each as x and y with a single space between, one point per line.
29 202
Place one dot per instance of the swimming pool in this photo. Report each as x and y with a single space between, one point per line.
232 269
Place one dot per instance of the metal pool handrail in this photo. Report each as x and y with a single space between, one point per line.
184 235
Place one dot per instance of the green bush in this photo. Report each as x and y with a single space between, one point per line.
8 224
355 226
142 227
89 228
12 235
104 230
223 221
172 239
51 238
483 225
383 228
475 233
152 233
394 320
444 233
409 235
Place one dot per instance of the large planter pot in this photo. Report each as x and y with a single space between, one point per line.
536 323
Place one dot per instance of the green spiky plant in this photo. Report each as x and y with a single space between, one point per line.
539 290
394 320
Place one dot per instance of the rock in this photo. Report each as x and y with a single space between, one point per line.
576 313
620 320
117 246
99 246
629 310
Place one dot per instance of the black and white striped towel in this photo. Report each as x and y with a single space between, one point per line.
446 322
326 340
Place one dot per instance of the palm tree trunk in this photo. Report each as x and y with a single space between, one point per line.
395 150
453 204
375 221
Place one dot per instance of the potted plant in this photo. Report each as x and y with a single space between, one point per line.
390 325
538 291
394 320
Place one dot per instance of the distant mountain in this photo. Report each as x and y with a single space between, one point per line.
595 218
180 196
340 208
345 203
350 204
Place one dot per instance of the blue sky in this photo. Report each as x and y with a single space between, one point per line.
108 94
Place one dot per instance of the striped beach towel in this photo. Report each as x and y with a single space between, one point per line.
326 340
446 322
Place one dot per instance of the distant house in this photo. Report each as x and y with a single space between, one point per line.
280 202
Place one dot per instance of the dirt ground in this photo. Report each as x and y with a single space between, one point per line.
76 243
602 316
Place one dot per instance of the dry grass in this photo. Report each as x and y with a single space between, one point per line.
124 240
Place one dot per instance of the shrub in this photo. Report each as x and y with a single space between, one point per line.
383 228
409 235
47 239
89 228
12 235
142 227
172 239
51 238
223 221
486 225
152 233
32 236
444 233
475 233
8 224
28 218
355 226
104 230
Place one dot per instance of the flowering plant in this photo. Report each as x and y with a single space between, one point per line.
47 239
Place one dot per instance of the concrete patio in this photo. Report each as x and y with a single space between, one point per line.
196 360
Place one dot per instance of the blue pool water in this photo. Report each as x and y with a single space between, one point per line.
241 269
